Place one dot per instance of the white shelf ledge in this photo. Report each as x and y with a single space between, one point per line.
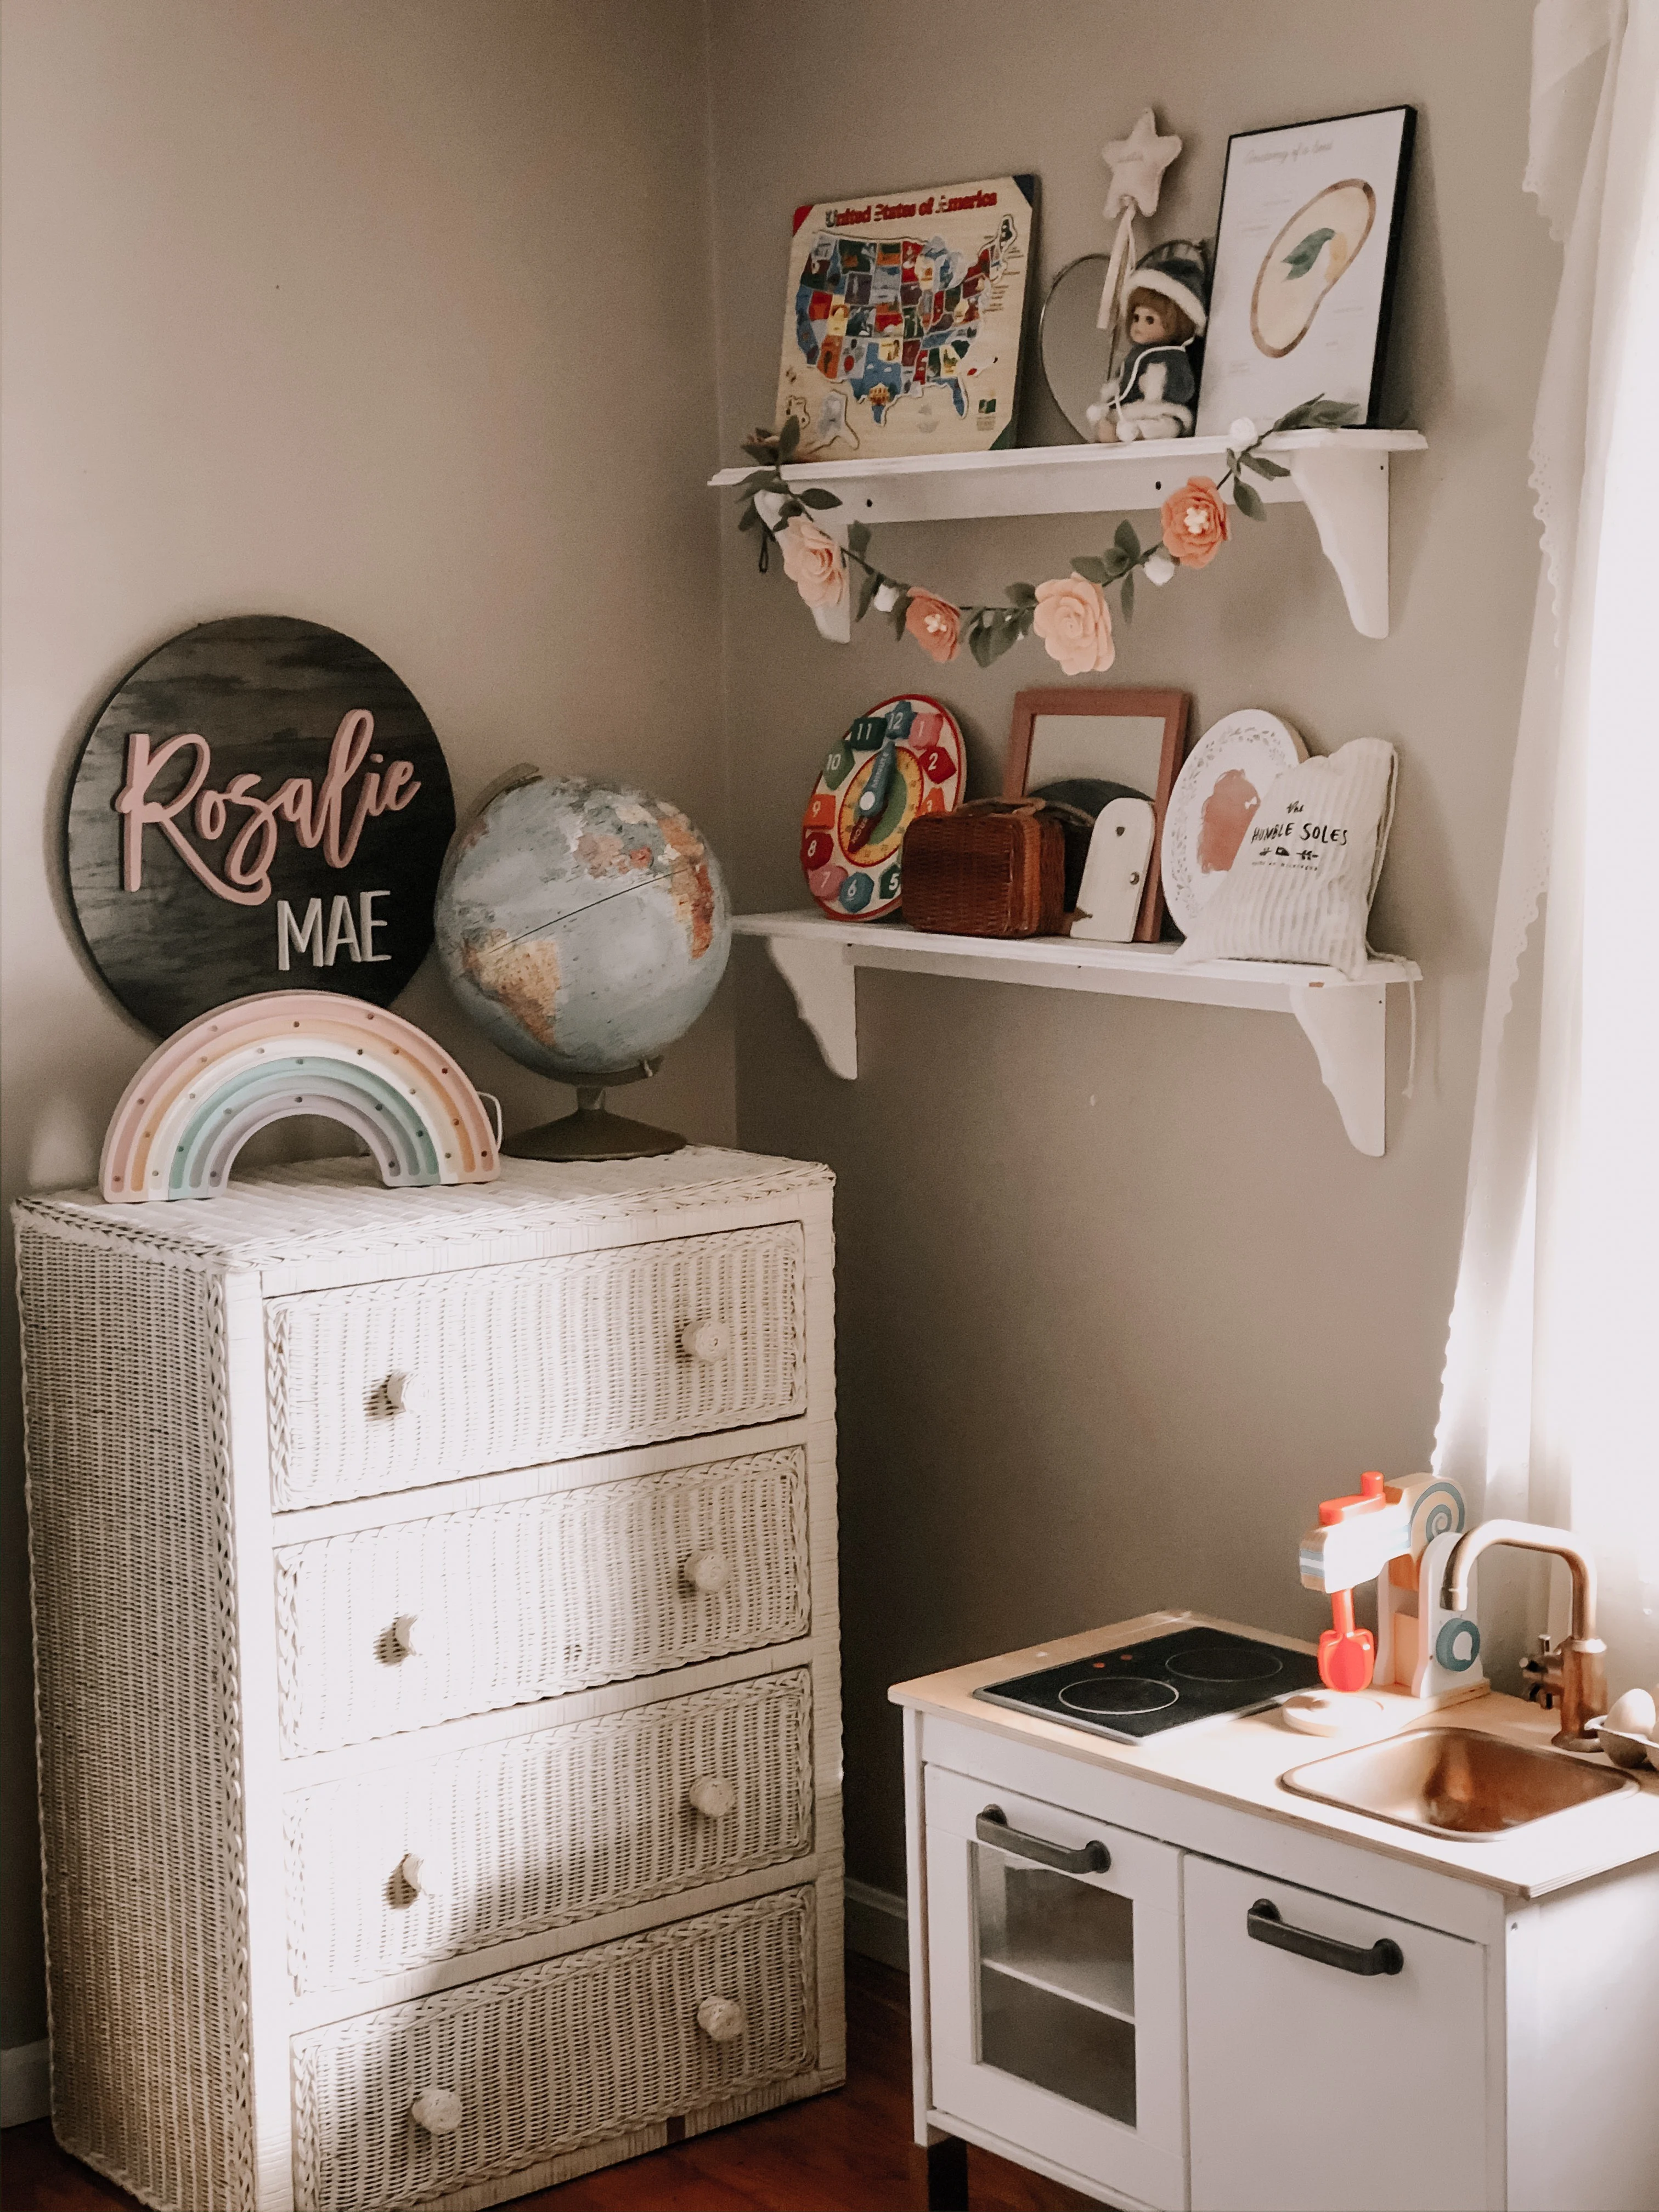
1346 1022
1341 476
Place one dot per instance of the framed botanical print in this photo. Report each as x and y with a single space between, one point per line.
1304 266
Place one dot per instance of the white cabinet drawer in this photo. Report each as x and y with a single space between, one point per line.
508 1839
394 1628
1314 2087
541 2061
387 1385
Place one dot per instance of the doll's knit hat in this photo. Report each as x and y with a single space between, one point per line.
1178 277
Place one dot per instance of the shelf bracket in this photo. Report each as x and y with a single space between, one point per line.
1346 493
1348 1029
824 984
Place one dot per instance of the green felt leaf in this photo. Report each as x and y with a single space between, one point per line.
1302 256
858 537
1250 502
1127 596
869 582
900 607
1023 595
749 520
757 453
757 480
979 644
788 437
1262 464
814 496
1126 541
1092 566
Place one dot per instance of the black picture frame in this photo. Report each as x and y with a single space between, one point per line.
1299 174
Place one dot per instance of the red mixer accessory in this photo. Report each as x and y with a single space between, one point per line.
1347 1654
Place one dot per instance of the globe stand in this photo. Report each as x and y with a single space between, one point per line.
591 1133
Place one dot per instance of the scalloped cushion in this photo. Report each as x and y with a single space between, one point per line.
1301 885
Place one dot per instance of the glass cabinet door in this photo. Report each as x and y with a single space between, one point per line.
1056 1981
1054 1985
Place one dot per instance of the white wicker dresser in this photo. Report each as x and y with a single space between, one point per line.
435 1626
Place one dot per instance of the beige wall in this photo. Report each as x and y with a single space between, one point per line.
388 314
1118 1301
296 319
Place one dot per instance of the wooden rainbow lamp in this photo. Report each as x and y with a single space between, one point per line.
1398 1535
199 1097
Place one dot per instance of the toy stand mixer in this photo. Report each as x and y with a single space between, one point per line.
1398 1535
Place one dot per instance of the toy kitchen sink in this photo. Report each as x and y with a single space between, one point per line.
1167 1951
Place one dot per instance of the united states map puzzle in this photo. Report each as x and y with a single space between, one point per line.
902 328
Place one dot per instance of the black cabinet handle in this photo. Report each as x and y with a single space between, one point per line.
1263 1923
992 1827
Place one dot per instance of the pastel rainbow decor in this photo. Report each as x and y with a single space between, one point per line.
199 1097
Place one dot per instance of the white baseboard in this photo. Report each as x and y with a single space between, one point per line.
877 1925
25 2083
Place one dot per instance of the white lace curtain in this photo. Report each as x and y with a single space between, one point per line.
1550 1401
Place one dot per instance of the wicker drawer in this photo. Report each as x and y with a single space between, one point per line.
543 2060
389 1385
509 1840
396 1627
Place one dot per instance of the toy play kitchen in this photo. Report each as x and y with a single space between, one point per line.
1175 1954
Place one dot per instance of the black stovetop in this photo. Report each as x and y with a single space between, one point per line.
1141 1689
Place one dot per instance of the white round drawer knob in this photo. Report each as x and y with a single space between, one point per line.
721 2019
404 1394
405 1634
711 1796
420 1875
707 1573
705 1339
440 2111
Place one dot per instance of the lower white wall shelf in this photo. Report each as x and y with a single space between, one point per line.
1346 1023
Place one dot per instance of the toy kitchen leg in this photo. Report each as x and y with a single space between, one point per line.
947 2175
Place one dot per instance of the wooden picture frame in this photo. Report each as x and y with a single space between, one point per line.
1148 762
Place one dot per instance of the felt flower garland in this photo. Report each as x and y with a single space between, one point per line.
1069 613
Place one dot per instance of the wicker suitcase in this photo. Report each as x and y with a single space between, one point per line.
994 868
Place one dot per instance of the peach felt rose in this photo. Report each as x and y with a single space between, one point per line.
935 624
1195 522
1075 624
812 562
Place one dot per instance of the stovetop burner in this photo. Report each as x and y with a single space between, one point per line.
1141 1689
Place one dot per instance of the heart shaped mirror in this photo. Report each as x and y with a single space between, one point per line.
1076 356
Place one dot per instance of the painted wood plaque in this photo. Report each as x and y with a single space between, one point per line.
262 805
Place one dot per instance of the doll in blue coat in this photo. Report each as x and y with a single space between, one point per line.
1153 392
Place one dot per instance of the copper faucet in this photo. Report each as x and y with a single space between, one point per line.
1574 1670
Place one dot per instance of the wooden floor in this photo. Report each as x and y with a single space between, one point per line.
850 2152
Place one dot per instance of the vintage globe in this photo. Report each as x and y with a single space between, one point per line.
584 926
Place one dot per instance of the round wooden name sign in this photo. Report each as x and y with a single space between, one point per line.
261 806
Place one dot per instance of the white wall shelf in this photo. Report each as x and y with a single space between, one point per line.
1341 476
1346 1023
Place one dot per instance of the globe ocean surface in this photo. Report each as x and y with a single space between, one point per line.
583 926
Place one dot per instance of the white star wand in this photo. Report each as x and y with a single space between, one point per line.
1137 164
